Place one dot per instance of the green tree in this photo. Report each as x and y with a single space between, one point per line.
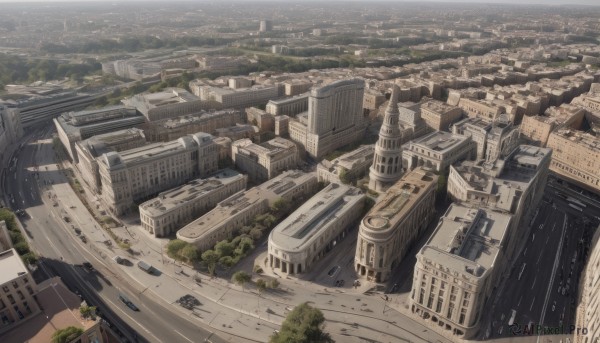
280 206
67 334
344 177
174 247
226 261
210 258
88 312
304 324
224 248
241 278
7 216
189 253
246 244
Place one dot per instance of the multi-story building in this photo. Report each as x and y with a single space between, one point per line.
282 124
263 120
350 166
335 118
288 106
73 127
209 122
89 150
264 161
392 226
458 268
588 309
305 236
10 129
240 209
138 174
17 291
479 109
513 185
177 207
437 151
373 100
387 161
494 139
536 129
169 103
438 116
238 131
237 97
219 63
5 240
60 309
265 26
296 87
576 156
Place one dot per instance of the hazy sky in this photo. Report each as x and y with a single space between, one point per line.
548 2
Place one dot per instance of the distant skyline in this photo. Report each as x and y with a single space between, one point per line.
523 2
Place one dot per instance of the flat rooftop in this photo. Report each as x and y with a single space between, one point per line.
438 107
312 219
467 240
269 191
399 200
60 309
439 141
11 266
173 198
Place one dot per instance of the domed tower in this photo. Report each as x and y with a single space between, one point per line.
387 162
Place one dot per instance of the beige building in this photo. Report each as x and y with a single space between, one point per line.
305 236
177 207
373 99
237 97
209 122
5 241
89 150
494 139
588 309
138 174
263 120
17 303
288 106
394 224
264 161
512 185
439 116
437 151
576 156
296 87
240 209
334 119
282 124
354 164
59 310
479 109
169 103
458 268
73 127
536 129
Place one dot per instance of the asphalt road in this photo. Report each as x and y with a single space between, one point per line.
542 286
27 181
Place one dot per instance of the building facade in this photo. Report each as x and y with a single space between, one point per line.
89 150
288 106
439 116
588 311
437 151
169 103
177 207
73 127
576 156
265 161
458 268
305 236
10 129
387 161
394 224
17 291
138 174
240 209
335 118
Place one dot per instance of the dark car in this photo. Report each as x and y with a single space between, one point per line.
83 239
128 302
88 266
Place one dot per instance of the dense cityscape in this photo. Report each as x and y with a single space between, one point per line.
288 171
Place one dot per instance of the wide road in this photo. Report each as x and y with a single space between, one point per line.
28 184
542 286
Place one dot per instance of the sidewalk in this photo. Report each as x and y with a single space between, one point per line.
225 307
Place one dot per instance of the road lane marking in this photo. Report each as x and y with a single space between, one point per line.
534 280
531 306
180 334
518 304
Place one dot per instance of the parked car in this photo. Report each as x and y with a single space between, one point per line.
128 302
88 266
147 267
